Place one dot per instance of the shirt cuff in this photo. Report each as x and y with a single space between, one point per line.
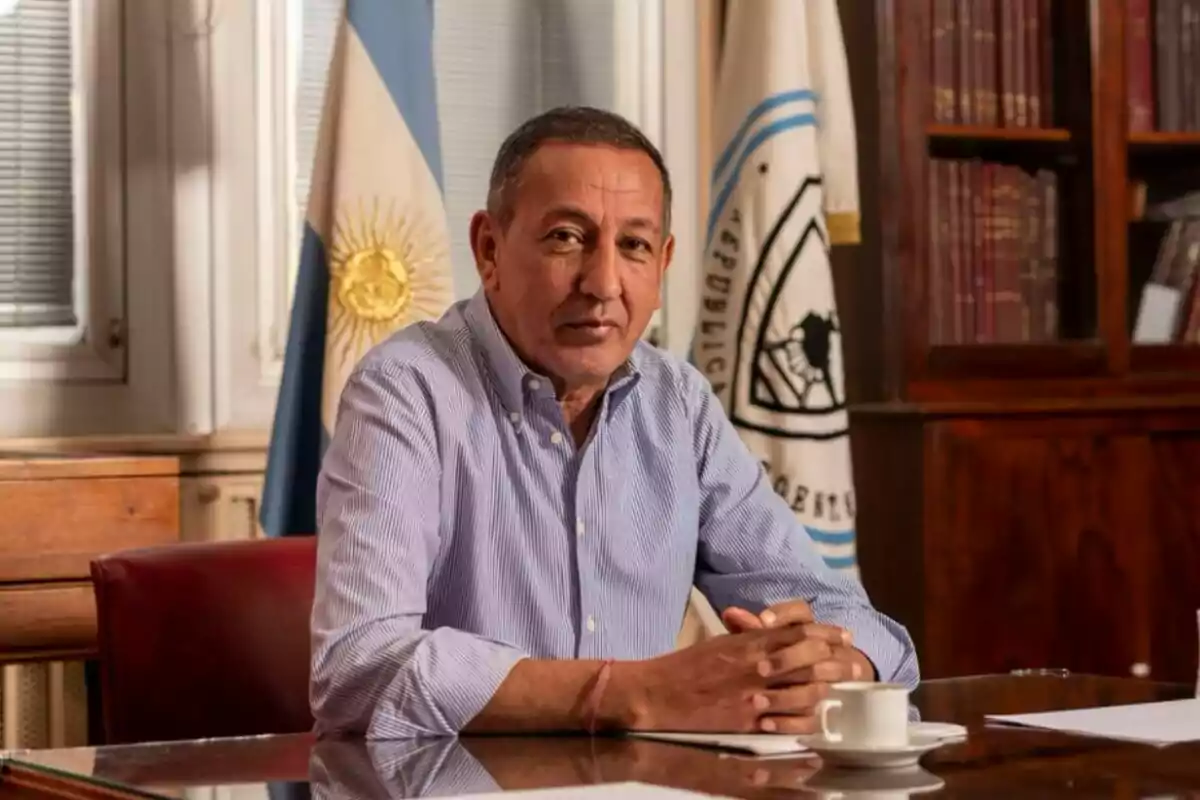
886 644
455 676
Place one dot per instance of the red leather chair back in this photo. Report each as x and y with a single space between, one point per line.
206 639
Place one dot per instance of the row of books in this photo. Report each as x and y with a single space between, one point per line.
993 253
1163 57
992 63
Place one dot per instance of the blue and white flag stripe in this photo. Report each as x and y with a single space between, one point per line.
397 35
374 251
773 102
760 137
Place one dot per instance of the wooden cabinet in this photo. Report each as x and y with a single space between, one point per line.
60 512
1049 540
1026 467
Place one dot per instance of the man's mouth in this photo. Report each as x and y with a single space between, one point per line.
592 324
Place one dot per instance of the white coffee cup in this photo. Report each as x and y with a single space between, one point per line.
865 714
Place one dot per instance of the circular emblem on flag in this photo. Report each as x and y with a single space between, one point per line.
386 271
768 335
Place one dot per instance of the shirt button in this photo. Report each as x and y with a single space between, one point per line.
556 438
514 417
534 384
579 527
591 624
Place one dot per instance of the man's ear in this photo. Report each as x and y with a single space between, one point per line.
483 245
668 253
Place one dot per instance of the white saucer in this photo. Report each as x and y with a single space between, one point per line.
904 781
851 755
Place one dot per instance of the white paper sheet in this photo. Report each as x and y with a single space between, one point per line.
760 744
1158 724
1157 314
777 744
609 791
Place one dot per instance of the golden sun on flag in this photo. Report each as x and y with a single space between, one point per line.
386 271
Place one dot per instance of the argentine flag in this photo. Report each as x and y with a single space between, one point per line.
784 187
375 254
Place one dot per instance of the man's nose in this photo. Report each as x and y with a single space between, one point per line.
602 273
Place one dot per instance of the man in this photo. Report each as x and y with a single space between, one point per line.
518 498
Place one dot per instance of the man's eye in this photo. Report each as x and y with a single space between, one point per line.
565 236
641 245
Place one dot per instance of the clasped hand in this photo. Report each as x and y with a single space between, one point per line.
768 675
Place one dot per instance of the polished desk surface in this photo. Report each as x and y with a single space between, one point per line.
993 760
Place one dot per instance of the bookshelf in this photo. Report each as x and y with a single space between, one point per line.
1026 456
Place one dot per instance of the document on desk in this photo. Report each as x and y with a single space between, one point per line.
609 791
1159 724
759 744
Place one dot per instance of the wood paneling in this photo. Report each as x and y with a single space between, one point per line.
1045 522
1047 540
1173 529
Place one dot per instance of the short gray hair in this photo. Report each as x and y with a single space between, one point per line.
571 125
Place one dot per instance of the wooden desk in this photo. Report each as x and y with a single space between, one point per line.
991 762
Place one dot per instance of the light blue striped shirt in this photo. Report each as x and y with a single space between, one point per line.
460 530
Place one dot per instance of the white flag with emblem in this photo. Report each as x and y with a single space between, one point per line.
784 187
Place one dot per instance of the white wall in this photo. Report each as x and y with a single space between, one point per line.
198 262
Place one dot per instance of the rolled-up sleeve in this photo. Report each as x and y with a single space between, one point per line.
754 553
375 670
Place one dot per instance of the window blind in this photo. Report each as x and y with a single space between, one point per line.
318 31
497 63
37 222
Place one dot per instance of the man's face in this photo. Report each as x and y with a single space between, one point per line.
575 278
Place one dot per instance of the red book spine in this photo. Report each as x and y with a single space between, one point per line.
1021 84
1032 290
988 56
1045 85
965 31
1187 61
955 184
937 253
1008 70
1033 62
979 247
1167 47
1014 245
945 100
1049 276
1140 88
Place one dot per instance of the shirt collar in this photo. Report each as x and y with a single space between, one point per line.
513 379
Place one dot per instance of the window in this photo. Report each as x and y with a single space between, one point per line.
62 200
72 360
318 22
37 201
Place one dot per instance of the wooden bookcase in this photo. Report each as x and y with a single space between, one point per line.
1028 492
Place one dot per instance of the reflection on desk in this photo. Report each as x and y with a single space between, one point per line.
992 760
425 768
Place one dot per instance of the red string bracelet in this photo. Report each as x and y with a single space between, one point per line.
591 706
